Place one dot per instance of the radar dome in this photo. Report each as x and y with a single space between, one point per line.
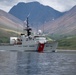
39 31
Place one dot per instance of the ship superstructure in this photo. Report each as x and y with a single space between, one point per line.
27 42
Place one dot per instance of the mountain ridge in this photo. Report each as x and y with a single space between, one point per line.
38 13
65 25
62 26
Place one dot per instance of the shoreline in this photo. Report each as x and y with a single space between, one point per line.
62 50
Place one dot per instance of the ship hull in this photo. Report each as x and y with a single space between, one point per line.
48 47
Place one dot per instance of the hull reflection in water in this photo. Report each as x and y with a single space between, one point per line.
33 63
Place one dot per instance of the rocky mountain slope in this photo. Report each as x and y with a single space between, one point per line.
38 13
52 21
9 25
65 25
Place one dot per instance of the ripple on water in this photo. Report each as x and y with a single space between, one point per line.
33 63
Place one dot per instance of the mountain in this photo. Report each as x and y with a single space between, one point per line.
65 25
9 25
38 13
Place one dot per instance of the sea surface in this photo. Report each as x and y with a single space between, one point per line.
33 63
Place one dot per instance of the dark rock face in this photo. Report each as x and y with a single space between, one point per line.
38 13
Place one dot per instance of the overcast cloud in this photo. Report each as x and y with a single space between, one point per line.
60 5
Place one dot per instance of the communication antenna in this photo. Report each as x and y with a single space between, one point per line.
28 29
28 15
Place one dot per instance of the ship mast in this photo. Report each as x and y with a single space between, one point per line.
28 29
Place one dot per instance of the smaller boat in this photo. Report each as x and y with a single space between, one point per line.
30 42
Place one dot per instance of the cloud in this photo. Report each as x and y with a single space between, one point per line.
8 2
63 5
60 5
6 5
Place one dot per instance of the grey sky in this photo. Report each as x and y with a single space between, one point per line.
60 5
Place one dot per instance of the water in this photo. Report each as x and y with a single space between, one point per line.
33 63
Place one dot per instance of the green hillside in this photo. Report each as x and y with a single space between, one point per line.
5 35
67 43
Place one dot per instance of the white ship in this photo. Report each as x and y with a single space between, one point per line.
37 42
